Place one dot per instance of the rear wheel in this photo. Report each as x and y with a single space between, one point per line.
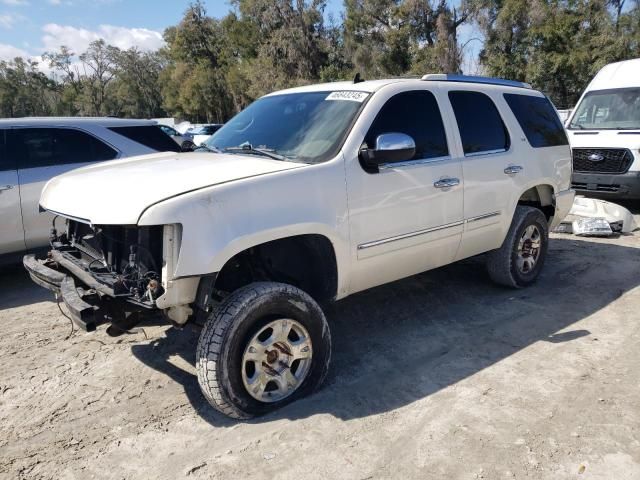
265 346
518 262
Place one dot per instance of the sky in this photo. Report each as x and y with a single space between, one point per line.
29 28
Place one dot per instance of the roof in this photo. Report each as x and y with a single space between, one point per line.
73 121
617 75
371 86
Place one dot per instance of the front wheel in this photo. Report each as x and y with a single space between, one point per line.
265 346
518 262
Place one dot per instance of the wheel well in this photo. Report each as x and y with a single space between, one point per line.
305 261
541 197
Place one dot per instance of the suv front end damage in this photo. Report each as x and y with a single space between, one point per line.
113 273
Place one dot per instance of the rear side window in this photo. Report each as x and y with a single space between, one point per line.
481 127
43 147
150 136
416 114
538 120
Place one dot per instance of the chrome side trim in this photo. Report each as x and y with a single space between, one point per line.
375 243
404 236
486 152
482 217
409 163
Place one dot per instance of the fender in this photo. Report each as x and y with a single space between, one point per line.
224 220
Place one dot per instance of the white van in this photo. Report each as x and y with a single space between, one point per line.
604 133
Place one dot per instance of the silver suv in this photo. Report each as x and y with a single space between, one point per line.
37 149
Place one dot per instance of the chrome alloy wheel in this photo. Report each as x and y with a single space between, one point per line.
529 249
277 360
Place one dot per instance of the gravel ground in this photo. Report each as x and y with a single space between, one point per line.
442 375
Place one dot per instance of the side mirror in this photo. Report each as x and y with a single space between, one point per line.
390 148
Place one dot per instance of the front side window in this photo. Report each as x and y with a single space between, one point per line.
42 147
538 120
150 136
416 114
307 127
617 109
481 127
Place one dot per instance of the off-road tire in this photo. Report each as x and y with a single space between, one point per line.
228 330
501 263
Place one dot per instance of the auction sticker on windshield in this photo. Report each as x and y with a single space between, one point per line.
348 95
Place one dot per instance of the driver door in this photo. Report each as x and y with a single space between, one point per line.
406 217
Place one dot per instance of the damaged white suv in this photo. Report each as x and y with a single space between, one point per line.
307 196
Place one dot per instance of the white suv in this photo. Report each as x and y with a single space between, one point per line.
307 196
33 150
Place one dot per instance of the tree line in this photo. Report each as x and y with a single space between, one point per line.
211 68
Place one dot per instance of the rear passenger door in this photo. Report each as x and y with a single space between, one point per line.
487 157
11 232
40 154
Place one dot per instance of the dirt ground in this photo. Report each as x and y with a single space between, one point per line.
442 375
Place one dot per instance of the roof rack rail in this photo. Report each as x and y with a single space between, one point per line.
448 77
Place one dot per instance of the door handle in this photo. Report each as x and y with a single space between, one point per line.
513 169
447 183
5 187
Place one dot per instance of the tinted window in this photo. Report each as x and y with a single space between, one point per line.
481 127
538 120
416 114
6 161
41 147
150 136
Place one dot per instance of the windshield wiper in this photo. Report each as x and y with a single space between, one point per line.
265 152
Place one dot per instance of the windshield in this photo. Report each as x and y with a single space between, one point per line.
608 110
307 127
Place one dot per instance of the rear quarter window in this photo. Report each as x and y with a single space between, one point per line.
150 136
538 120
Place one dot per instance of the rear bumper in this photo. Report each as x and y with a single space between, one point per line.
564 202
624 185
83 314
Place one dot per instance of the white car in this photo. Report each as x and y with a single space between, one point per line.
37 149
202 133
307 196
604 132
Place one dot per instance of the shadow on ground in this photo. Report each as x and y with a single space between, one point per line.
17 289
401 342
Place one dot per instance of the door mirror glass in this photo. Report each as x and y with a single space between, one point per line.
390 148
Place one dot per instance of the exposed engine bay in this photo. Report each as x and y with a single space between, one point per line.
127 260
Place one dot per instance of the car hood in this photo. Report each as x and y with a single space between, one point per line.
118 192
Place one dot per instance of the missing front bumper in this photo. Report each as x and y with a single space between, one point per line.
85 315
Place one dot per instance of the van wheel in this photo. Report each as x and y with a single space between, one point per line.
518 262
266 345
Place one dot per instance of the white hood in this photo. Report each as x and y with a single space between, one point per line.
119 191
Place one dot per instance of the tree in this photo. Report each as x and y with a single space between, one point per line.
24 90
395 37
136 87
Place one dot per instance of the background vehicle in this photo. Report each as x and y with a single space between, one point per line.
307 196
185 140
604 132
36 149
202 133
